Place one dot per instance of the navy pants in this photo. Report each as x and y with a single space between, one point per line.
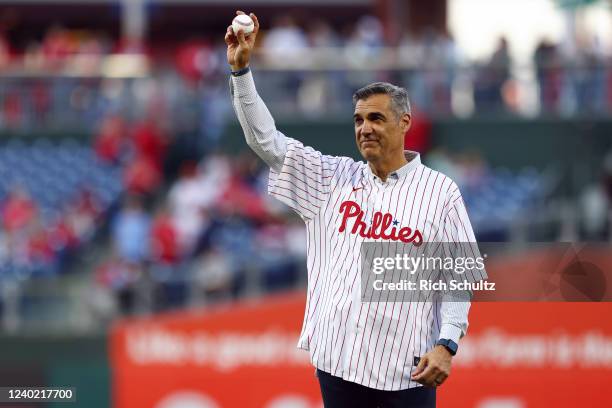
339 393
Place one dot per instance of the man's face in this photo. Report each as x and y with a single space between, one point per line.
379 133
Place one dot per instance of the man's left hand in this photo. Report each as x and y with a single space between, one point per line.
434 367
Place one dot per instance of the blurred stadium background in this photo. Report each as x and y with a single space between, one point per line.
140 258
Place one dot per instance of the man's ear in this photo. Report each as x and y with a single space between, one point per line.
405 122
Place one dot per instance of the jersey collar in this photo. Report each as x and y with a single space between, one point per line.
414 160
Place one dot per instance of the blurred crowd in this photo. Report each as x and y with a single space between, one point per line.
434 69
306 67
212 236
208 233
52 198
34 246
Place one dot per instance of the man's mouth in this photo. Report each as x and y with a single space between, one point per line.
369 143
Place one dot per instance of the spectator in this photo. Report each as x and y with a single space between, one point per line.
188 201
589 75
285 42
110 141
119 278
131 231
322 35
365 42
84 212
40 251
192 59
280 267
12 107
213 276
57 45
142 176
164 239
547 60
368 33
363 46
489 87
315 95
594 211
18 211
595 205
149 142
240 196
418 137
63 236
499 64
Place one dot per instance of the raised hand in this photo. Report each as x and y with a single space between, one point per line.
239 46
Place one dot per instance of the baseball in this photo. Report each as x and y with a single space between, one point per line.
243 22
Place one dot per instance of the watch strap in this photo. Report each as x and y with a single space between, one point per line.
450 345
241 72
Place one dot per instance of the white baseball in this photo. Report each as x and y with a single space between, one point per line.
243 22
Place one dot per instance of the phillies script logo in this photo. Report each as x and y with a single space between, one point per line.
380 224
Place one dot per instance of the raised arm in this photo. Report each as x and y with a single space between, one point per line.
300 176
257 123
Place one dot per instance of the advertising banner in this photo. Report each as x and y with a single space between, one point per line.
515 355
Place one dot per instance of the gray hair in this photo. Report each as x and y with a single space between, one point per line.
399 96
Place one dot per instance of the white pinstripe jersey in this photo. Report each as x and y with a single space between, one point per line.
370 343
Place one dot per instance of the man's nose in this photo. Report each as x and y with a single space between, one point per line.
366 129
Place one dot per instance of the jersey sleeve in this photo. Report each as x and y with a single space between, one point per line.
459 243
304 180
257 123
459 238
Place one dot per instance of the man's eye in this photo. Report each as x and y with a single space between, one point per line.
358 121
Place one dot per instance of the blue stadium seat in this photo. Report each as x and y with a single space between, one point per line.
53 174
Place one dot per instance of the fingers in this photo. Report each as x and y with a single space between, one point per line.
427 377
230 38
242 39
423 374
239 12
440 379
256 21
431 376
420 367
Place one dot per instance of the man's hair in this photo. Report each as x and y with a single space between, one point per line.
398 95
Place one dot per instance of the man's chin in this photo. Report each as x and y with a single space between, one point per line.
370 154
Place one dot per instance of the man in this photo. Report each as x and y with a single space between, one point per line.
366 354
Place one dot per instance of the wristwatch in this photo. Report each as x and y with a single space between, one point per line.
450 345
